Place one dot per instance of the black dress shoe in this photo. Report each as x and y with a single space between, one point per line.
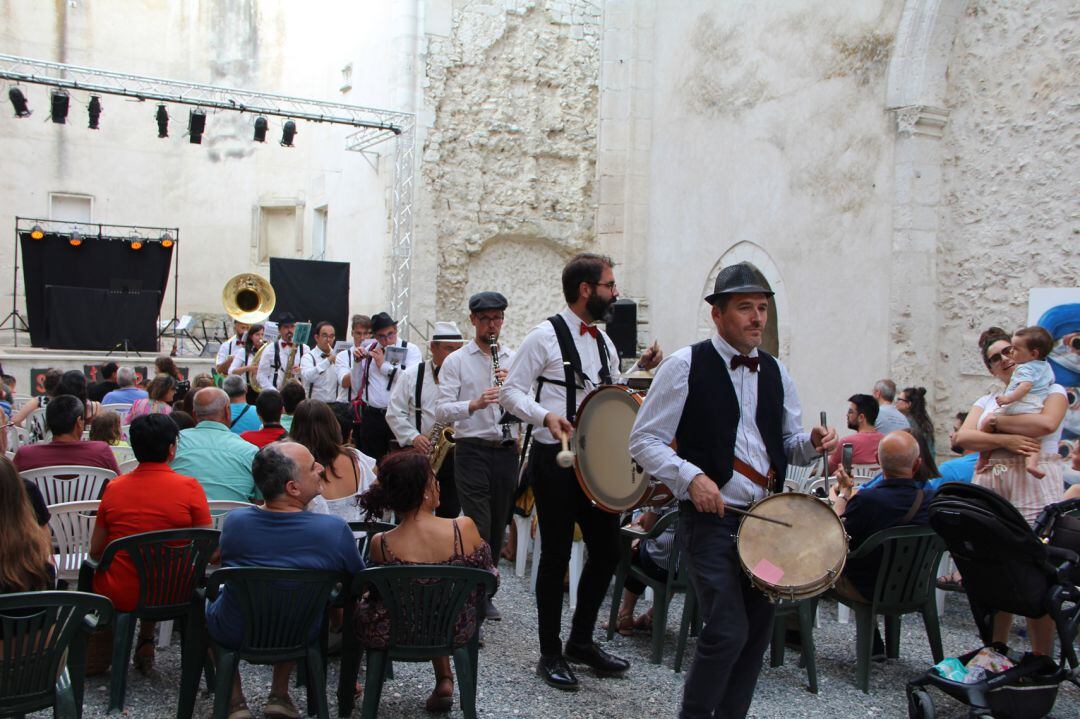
604 664
557 673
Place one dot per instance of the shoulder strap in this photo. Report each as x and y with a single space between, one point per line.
459 545
277 362
601 348
571 362
914 508
419 393
242 413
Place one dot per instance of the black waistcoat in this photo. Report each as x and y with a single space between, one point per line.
710 419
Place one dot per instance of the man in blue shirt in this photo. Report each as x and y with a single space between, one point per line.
127 392
961 469
243 417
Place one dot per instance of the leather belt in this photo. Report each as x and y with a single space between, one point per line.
761 480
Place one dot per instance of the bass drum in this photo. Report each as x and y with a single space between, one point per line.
796 562
610 478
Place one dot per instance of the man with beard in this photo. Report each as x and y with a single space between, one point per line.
272 365
564 358
861 417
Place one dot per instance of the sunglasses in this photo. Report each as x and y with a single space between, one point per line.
998 356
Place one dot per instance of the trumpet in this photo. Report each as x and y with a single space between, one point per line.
507 438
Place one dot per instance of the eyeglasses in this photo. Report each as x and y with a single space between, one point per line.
609 285
997 356
903 399
385 335
490 319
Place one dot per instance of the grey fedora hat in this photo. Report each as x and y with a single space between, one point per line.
739 279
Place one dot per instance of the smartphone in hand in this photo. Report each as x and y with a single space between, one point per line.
845 457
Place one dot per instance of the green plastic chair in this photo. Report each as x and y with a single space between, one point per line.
282 611
423 603
904 585
803 609
39 630
171 565
369 529
662 591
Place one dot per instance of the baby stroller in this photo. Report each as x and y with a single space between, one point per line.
1007 567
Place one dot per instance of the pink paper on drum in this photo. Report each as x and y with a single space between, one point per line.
768 572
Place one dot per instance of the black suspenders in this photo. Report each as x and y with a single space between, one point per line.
419 393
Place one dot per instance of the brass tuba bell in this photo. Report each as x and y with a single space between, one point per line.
248 298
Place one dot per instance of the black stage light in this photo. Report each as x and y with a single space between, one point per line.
162 121
167 239
36 233
18 101
261 126
288 132
94 110
59 107
196 125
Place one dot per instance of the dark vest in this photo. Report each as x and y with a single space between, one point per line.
710 419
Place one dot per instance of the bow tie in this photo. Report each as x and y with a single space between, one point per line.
751 363
589 329
286 344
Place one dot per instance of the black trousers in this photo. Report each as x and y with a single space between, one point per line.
486 478
374 434
737 619
449 504
560 504
652 570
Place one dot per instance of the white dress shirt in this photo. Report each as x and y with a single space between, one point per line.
465 374
401 414
242 358
343 364
658 418
227 349
319 375
265 372
379 379
539 356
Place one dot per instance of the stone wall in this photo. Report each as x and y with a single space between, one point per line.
1010 217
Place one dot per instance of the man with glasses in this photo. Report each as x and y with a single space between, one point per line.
360 329
377 379
485 461
318 371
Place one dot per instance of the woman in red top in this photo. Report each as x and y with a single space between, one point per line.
150 498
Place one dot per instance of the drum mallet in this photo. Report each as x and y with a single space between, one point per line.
564 458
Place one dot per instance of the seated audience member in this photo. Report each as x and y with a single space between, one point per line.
106 428
242 416
927 473
98 390
7 395
268 406
128 392
210 453
861 414
347 472
407 487
183 419
167 366
288 477
292 394
159 400
889 418
652 557
73 382
201 380
26 563
64 417
150 498
50 383
961 469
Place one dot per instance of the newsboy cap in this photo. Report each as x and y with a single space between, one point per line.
487 301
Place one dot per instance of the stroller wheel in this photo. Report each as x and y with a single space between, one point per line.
920 705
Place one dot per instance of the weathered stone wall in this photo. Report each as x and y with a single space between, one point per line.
509 159
1010 215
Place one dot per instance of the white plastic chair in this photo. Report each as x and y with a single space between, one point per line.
219 508
17 437
522 528
18 400
72 524
127 465
69 483
35 425
121 408
123 454
797 473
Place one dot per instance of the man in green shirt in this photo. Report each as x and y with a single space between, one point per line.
212 454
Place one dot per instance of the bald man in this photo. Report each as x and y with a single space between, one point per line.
897 500
214 455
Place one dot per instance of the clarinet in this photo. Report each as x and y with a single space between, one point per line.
507 439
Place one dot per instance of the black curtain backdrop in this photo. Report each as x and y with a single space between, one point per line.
313 291
100 264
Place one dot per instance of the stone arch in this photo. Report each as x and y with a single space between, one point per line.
777 340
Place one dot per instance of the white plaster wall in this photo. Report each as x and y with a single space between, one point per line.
209 191
1010 216
768 129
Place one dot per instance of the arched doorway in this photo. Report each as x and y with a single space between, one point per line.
777 338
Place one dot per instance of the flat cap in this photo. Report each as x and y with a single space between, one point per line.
739 279
381 321
487 301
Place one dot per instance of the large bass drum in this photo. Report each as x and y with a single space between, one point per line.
796 562
610 478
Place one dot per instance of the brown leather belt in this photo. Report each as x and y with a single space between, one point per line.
761 480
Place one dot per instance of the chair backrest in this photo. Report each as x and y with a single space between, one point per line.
862 472
69 483
797 473
128 465
72 524
40 631
220 508
124 454
280 607
35 425
909 558
16 437
363 531
423 603
170 564
121 408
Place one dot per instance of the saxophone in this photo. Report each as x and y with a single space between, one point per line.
441 437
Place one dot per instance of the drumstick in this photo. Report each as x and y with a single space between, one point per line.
565 458
745 513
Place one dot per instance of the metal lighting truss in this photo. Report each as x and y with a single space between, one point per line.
374 127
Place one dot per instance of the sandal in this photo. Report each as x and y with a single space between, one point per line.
950 583
624 626
644 622
240 710
144 655
442 696
280 707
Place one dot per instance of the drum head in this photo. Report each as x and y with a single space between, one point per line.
797 562
602 440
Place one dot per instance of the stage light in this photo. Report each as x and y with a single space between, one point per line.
167 240
261 126
136 245
18 101
94 110
36 233
76 239
58 109
196 125
288 132
162 121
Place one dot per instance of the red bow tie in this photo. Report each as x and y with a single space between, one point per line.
286 344
751 363
589 329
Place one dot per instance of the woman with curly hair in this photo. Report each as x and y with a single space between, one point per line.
160 393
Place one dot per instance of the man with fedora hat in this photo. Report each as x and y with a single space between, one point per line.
485 443
272 364
411 413
377 377
734 416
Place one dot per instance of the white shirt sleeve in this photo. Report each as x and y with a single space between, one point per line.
399 412
528 364
311 367
450 407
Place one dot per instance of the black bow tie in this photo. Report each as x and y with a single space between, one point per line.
751 363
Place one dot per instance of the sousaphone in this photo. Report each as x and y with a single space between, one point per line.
248 298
